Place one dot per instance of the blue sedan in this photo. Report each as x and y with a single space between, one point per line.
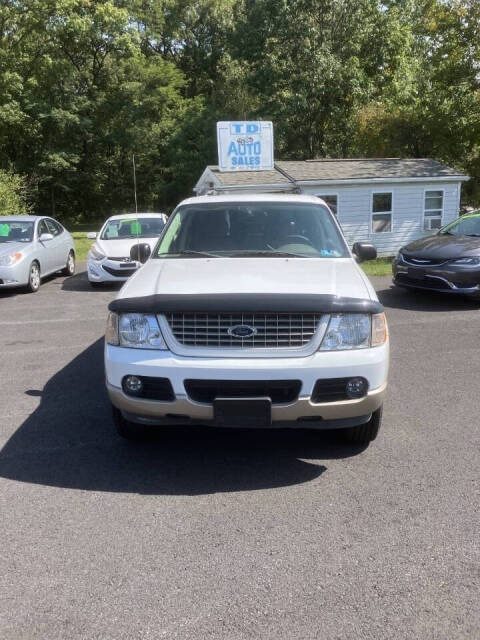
32 247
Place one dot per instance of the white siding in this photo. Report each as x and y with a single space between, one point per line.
354 211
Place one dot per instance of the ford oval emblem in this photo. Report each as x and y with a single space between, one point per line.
241 331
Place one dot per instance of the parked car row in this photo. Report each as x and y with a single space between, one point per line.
33 247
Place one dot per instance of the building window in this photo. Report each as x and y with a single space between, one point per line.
381 212
433 210
332 201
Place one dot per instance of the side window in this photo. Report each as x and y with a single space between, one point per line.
52 227
331 200
171 239
42 228
433 209
382 212
58 226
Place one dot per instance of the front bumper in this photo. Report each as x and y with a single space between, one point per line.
302 413
446 278
109 270
14 276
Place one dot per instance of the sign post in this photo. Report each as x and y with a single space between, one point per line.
245 146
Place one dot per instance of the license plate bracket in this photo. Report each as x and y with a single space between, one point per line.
242 412
416 274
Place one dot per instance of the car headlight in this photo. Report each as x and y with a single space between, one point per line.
134 330
467 262
354 331
96 254
13 258
399 256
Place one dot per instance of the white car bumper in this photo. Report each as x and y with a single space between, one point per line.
302 411
14 276
107 270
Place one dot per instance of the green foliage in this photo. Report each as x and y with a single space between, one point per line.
86 84
13 194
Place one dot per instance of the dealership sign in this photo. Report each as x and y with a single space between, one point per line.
245 146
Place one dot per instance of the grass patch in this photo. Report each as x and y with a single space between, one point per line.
82 244
378 267
79 232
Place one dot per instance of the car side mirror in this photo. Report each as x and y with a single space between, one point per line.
140 252
91 235
45 237
364 251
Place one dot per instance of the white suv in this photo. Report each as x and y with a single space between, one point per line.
251 311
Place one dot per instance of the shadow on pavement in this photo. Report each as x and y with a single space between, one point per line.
79 282
69 441
418 300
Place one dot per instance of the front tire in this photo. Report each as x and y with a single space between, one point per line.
33 284
69 269
125 428
365 433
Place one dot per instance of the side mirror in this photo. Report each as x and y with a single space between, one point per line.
45 237
364 251
91 235
140 252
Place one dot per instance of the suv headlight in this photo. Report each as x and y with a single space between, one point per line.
13 258
96 253
467 262
134 330
354 331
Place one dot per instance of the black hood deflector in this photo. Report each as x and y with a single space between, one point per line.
245 302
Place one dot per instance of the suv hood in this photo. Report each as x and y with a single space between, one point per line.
333 276
121 248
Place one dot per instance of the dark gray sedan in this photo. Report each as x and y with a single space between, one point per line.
32 247
448 261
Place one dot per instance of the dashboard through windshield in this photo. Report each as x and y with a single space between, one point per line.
264 229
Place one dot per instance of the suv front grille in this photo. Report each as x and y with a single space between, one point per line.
271 330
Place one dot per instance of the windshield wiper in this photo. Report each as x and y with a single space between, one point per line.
274 254
188 252
473 235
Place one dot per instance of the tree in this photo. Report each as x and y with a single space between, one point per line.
13 194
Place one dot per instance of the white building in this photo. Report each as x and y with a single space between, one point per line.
387 201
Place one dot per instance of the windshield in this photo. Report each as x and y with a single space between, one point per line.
120 229
252 229
465 226
16 231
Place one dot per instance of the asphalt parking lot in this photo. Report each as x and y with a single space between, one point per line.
236 535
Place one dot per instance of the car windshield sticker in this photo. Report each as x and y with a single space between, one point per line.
4 229
136 227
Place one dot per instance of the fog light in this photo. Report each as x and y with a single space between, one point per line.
132 385
356 387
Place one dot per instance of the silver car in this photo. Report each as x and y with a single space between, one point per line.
32 247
